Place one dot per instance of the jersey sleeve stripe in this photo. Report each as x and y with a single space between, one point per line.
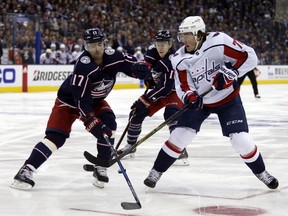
239 56
183 80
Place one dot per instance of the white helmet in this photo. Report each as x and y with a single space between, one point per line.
48 51
62 46
192 24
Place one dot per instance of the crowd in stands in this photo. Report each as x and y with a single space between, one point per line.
132 23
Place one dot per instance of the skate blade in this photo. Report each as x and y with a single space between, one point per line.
98 184
181 162
20 185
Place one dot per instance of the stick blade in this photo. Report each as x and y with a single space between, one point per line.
88 167
130 205
94 160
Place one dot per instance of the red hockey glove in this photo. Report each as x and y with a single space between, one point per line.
96 127
194 100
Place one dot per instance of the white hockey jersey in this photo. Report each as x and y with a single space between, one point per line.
196 71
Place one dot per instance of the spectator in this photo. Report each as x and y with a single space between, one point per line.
53 50
27 55
62 57
46 57
120 49
129 47
256 22
75 54
138 54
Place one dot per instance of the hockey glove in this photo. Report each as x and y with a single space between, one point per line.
230 71
194 100
149 83
140 70
221 81
141 105
96 127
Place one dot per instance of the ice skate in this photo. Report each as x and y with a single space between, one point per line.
23 180
128 156
257 96
152 178
100 174
182 159
268 179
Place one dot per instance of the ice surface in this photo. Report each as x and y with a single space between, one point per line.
217 182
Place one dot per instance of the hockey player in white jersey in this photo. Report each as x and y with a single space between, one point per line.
210 59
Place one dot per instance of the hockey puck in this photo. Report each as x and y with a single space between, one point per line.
120 171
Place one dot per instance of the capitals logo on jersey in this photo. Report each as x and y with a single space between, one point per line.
208 72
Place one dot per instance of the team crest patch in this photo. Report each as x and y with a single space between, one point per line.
109 51
85 60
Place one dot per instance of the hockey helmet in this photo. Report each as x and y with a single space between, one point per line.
48 51
192 24
93 35
163 35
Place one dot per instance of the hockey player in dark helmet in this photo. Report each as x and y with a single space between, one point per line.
83 96
163 42
94 42
162 92
163 35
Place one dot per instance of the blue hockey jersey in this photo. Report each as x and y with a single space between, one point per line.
90 82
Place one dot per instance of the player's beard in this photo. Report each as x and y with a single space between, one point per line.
98 56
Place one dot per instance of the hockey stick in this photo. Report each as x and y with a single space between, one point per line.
94 160
90 167
124 132
125 205
126 129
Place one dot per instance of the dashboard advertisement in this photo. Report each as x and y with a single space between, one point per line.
37 78
10 78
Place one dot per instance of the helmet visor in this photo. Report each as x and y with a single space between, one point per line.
181 37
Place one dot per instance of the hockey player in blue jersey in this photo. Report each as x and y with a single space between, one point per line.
207 60
162 91
82 96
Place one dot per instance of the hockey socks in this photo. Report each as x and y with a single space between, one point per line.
39 155
163 161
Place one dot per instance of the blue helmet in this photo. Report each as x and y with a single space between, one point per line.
93 35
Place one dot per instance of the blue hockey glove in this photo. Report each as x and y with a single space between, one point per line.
149 83
141 105
230 71
96 127
194 100
140 70
221 81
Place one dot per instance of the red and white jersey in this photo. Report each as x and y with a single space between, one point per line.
195 72
46 59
